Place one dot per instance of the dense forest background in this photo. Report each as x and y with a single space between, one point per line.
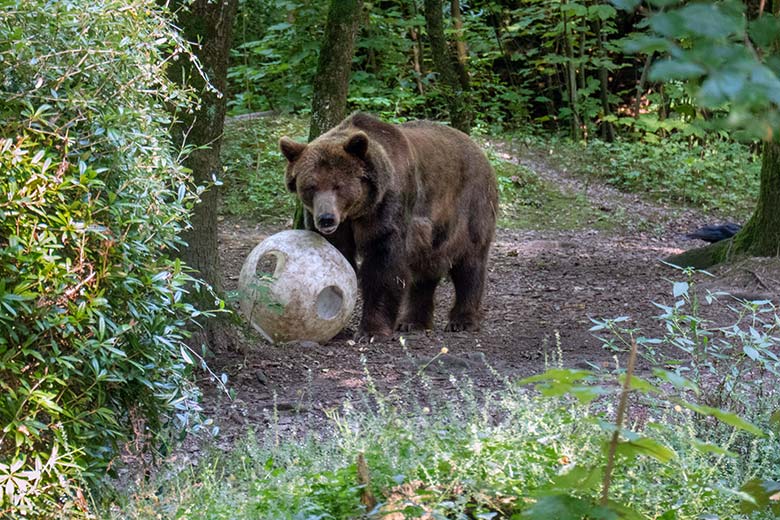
560 65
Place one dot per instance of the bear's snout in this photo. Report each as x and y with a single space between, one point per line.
326 213
327 223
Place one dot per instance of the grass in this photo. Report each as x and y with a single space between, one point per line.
471 456
254 181
528 201
716 175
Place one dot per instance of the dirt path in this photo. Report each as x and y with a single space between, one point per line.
543 287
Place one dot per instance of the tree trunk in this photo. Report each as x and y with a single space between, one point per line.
607 129
761 235
331 82
416 60
640 85
460 42
329 104
210 23
571 81
454 79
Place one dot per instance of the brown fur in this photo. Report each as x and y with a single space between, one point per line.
415 201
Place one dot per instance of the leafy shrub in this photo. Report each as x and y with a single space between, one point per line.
92 311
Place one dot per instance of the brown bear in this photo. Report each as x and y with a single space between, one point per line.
414 202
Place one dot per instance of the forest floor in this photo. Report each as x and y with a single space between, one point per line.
543 289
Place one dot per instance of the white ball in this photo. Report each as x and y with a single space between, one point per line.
309 294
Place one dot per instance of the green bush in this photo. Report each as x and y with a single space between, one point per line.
92 198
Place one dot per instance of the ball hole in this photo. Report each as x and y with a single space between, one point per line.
329 302
270 265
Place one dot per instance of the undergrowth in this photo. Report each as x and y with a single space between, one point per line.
514 453
254 167
715 175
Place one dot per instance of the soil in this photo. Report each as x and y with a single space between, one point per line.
544 287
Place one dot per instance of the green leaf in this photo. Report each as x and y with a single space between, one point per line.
751 352
668 24
729 418
574 9
186 356
764 30
710 20
676 379
774 421
601 11
578 478
675 69
637 383
765 495
558 375
283 26
721 87
679 289
708 447
646 446
565 506
646 44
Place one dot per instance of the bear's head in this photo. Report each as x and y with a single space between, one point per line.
332 176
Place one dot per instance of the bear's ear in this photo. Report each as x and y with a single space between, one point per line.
357 145
291 149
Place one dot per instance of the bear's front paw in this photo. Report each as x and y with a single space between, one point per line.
462 325
412 326
372 336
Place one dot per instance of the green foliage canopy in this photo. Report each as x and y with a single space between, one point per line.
730 60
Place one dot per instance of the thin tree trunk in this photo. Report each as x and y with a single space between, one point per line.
501 47
418 39
761 235
331 81
416 60
454 79
457 23
210 23
607 129
640 85
571 80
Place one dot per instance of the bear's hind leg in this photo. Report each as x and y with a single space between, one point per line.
468 277
418 312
